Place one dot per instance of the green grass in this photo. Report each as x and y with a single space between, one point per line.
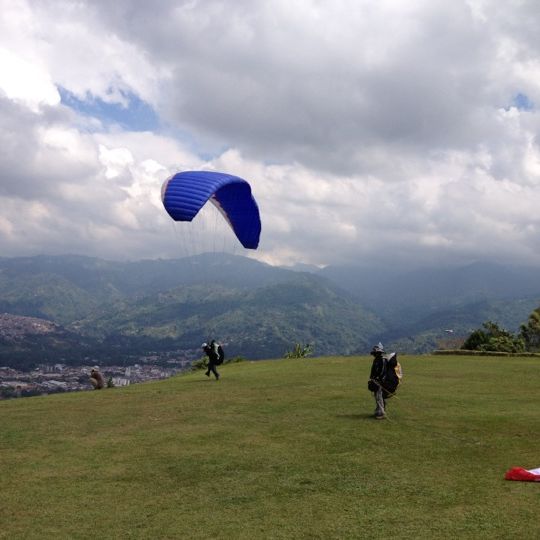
279 449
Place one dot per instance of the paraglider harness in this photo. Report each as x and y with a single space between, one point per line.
216 354
386 373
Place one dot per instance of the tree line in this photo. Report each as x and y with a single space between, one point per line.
491 337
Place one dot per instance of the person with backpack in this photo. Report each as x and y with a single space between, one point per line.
214 352
384 378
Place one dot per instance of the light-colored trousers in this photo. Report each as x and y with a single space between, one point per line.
380 402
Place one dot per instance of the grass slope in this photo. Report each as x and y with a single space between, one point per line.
279 449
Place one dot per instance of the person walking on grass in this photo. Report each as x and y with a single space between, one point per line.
384 378
214 352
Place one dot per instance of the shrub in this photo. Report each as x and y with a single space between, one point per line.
299 351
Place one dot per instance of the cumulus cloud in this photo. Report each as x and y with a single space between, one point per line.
370 132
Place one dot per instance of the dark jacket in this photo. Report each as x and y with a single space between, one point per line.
383 374
378 368
212 353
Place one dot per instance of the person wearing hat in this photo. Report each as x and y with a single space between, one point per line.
376 378
213 357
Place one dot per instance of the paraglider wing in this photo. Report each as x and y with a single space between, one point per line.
523 475
185 193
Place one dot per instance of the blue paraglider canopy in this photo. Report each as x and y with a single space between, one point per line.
185 193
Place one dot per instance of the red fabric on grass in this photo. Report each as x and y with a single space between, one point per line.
521 475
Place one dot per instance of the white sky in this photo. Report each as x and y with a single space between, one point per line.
401 131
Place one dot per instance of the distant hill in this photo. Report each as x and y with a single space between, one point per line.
66 288
27 341
392 290
121 309
419 306
260 323
118 310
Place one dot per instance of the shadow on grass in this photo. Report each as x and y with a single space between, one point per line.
362 416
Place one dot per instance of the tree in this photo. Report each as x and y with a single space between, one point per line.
530 332
493 338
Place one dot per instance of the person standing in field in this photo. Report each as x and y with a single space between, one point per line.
384 378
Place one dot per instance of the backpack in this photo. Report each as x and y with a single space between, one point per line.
393 373
388 372
219 352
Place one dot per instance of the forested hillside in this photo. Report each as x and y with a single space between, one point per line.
118 310
425 308
122 309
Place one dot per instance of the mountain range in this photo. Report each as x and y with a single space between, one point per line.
424 307
111 311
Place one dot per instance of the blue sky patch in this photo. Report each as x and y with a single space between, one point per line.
522 102
137 116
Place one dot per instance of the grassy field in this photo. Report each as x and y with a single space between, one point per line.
279 449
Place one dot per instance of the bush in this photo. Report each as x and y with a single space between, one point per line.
299 351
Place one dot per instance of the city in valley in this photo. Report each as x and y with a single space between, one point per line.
26 369
47 379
